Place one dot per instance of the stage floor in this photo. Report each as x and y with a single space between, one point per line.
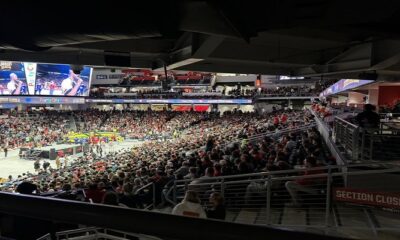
14 166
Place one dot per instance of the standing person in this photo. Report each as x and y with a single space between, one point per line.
5 151
368 118
46 164
52 87
38 89
14 85
65 161
100 151
209 144
58 162
36 165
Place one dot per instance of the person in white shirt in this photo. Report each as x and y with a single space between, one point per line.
14 85
69 86
190 206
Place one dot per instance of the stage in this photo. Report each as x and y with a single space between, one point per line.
51 152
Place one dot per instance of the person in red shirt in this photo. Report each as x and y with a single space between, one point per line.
95 193
276 120
284 118
52 87
305 185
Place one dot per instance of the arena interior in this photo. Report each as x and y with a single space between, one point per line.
200 120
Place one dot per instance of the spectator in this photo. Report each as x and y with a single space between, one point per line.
217 210
190 206
94 194
306 185
368 118
110 198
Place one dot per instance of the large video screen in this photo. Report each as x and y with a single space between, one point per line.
343 85
17 78
61 80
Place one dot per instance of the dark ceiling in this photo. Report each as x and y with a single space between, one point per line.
286 37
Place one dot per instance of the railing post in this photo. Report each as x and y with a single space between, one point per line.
174 193
355 144
371 146
362 146
223 188
328 196
154 195
268 203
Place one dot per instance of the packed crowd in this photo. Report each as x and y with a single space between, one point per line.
34 131
209 147
139 124
288 91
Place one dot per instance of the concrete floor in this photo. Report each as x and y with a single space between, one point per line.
14 166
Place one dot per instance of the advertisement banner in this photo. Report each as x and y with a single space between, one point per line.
343 85
173 101
158 107
366 197
30 74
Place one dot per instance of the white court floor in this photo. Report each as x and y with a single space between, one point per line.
14 166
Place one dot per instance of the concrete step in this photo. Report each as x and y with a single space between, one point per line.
247 216
294 216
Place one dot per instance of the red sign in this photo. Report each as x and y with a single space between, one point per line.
381 199
201 108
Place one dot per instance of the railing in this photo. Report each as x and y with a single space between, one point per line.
295 94
347 135
361 144
326 133
147 189
382 143
39 213
96 233
256 137
281 132
267 198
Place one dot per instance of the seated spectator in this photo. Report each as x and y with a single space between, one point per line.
127 198
26 188
217 210
94 193
67 193
306 185
110 198
192 173
190 206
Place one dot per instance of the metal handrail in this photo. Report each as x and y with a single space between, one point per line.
102 233
272 176
144 187
300 128
269 199
346 122
294 171
139 221
269 133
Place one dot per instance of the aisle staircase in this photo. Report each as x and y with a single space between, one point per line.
345 221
